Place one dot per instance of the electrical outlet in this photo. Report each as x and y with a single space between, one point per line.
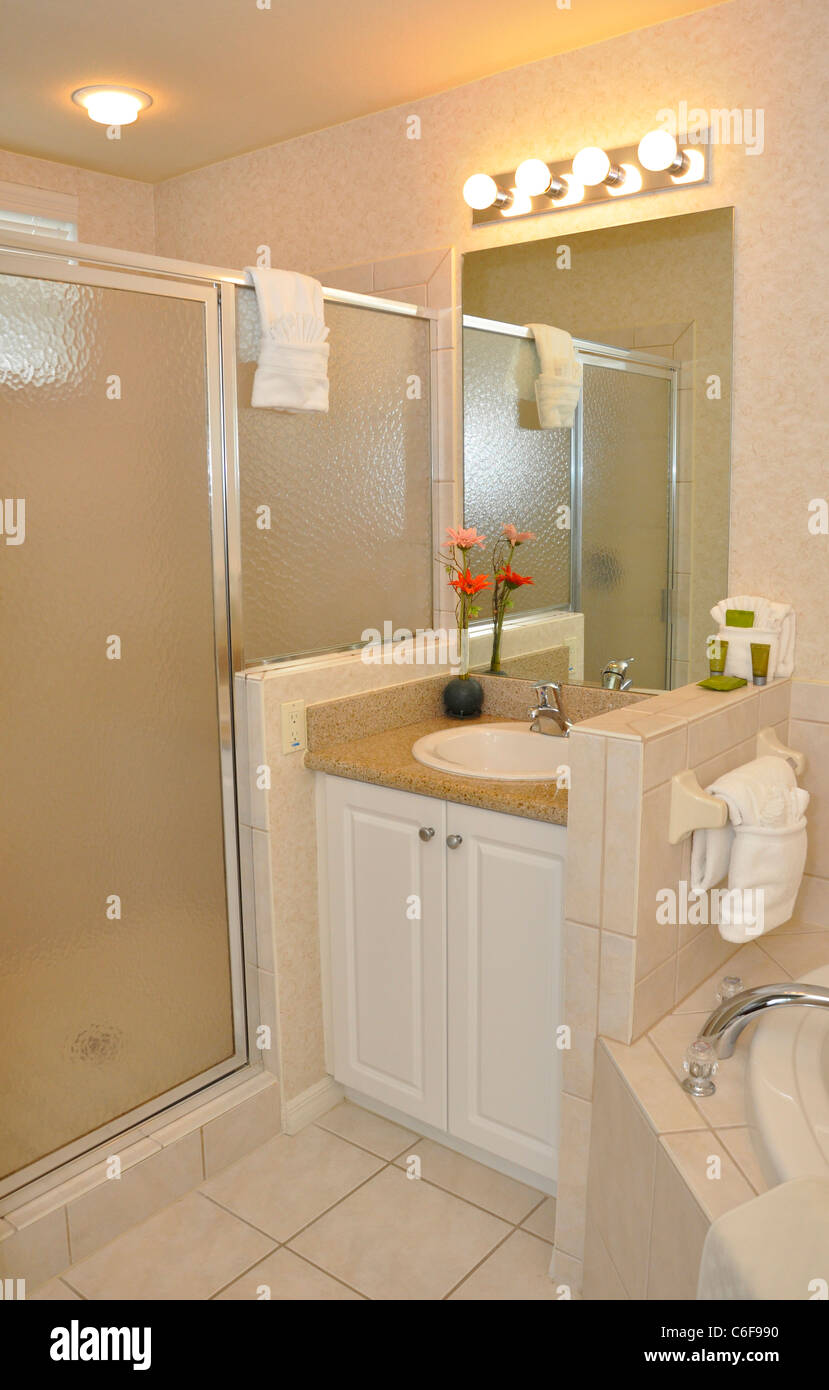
294 737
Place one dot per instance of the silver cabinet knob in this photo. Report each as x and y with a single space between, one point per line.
454 840
426 832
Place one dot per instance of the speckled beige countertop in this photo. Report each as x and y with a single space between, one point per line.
386 759
368 737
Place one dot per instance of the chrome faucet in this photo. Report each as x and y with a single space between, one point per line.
615 675
727 1022
545 714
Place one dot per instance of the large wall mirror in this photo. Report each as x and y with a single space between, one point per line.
629 502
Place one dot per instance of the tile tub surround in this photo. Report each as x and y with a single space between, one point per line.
161 1161
623 970
652 1190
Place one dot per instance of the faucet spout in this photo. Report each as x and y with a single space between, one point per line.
727 1022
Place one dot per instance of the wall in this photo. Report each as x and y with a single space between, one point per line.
363 191
111 211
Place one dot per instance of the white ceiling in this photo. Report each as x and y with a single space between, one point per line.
227 76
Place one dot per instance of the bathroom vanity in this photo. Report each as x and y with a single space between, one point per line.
444 927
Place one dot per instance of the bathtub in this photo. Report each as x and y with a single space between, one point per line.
788 1090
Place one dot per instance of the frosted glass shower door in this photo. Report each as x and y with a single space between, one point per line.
345 544
117 848
626 510
513 470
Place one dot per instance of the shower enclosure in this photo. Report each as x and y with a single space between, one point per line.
121 570
600 496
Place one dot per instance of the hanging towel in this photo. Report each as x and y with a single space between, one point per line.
762 848
774 624
558 385
292 373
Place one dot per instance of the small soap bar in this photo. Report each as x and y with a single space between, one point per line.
739 617
722 683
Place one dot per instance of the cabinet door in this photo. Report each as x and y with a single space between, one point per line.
505 895
387 919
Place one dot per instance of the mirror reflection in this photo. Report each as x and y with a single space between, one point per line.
596 417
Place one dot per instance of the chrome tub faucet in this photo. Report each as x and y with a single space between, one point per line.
724 1026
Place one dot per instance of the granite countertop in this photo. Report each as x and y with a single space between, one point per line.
385 758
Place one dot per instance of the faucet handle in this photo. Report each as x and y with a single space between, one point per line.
701 1064
729 986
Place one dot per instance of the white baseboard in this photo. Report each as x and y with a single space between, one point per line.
304 1108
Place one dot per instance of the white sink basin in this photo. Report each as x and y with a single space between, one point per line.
504 752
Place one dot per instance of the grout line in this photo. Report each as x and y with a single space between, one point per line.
329 1275
242 1273
362 1148
477 1266
230 1212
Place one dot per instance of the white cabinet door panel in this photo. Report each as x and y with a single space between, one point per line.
505 893
386 907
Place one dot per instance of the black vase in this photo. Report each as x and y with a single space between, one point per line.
462 699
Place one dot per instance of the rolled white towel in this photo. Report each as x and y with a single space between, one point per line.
762 848
558 385
292 372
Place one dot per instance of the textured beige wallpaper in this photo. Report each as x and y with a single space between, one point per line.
363 191
111 211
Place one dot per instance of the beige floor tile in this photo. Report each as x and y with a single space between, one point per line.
289 1181
289 1279
518 1270
495 1192
542 1221
397 1238
189 1250
369 1131
54 1292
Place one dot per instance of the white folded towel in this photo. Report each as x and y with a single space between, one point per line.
771 1247
762 848
292 373
774 624
558 385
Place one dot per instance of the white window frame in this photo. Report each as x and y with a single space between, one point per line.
38 211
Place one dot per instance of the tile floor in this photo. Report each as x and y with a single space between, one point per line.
331 1213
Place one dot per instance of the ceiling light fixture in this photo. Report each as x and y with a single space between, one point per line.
112 105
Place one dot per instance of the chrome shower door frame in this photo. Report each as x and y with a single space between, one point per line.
142 276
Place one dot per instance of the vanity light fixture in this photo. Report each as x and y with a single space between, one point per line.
533 178
659 152
593 166
481 192
658 163
112 105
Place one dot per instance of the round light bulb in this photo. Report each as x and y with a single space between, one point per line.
111 105
631 183
574 194
480 191
591 166
695 170
520 205
657 151
532 177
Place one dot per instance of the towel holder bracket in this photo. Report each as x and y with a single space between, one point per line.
769 745
692 808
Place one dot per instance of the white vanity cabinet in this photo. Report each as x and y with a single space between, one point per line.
445 932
